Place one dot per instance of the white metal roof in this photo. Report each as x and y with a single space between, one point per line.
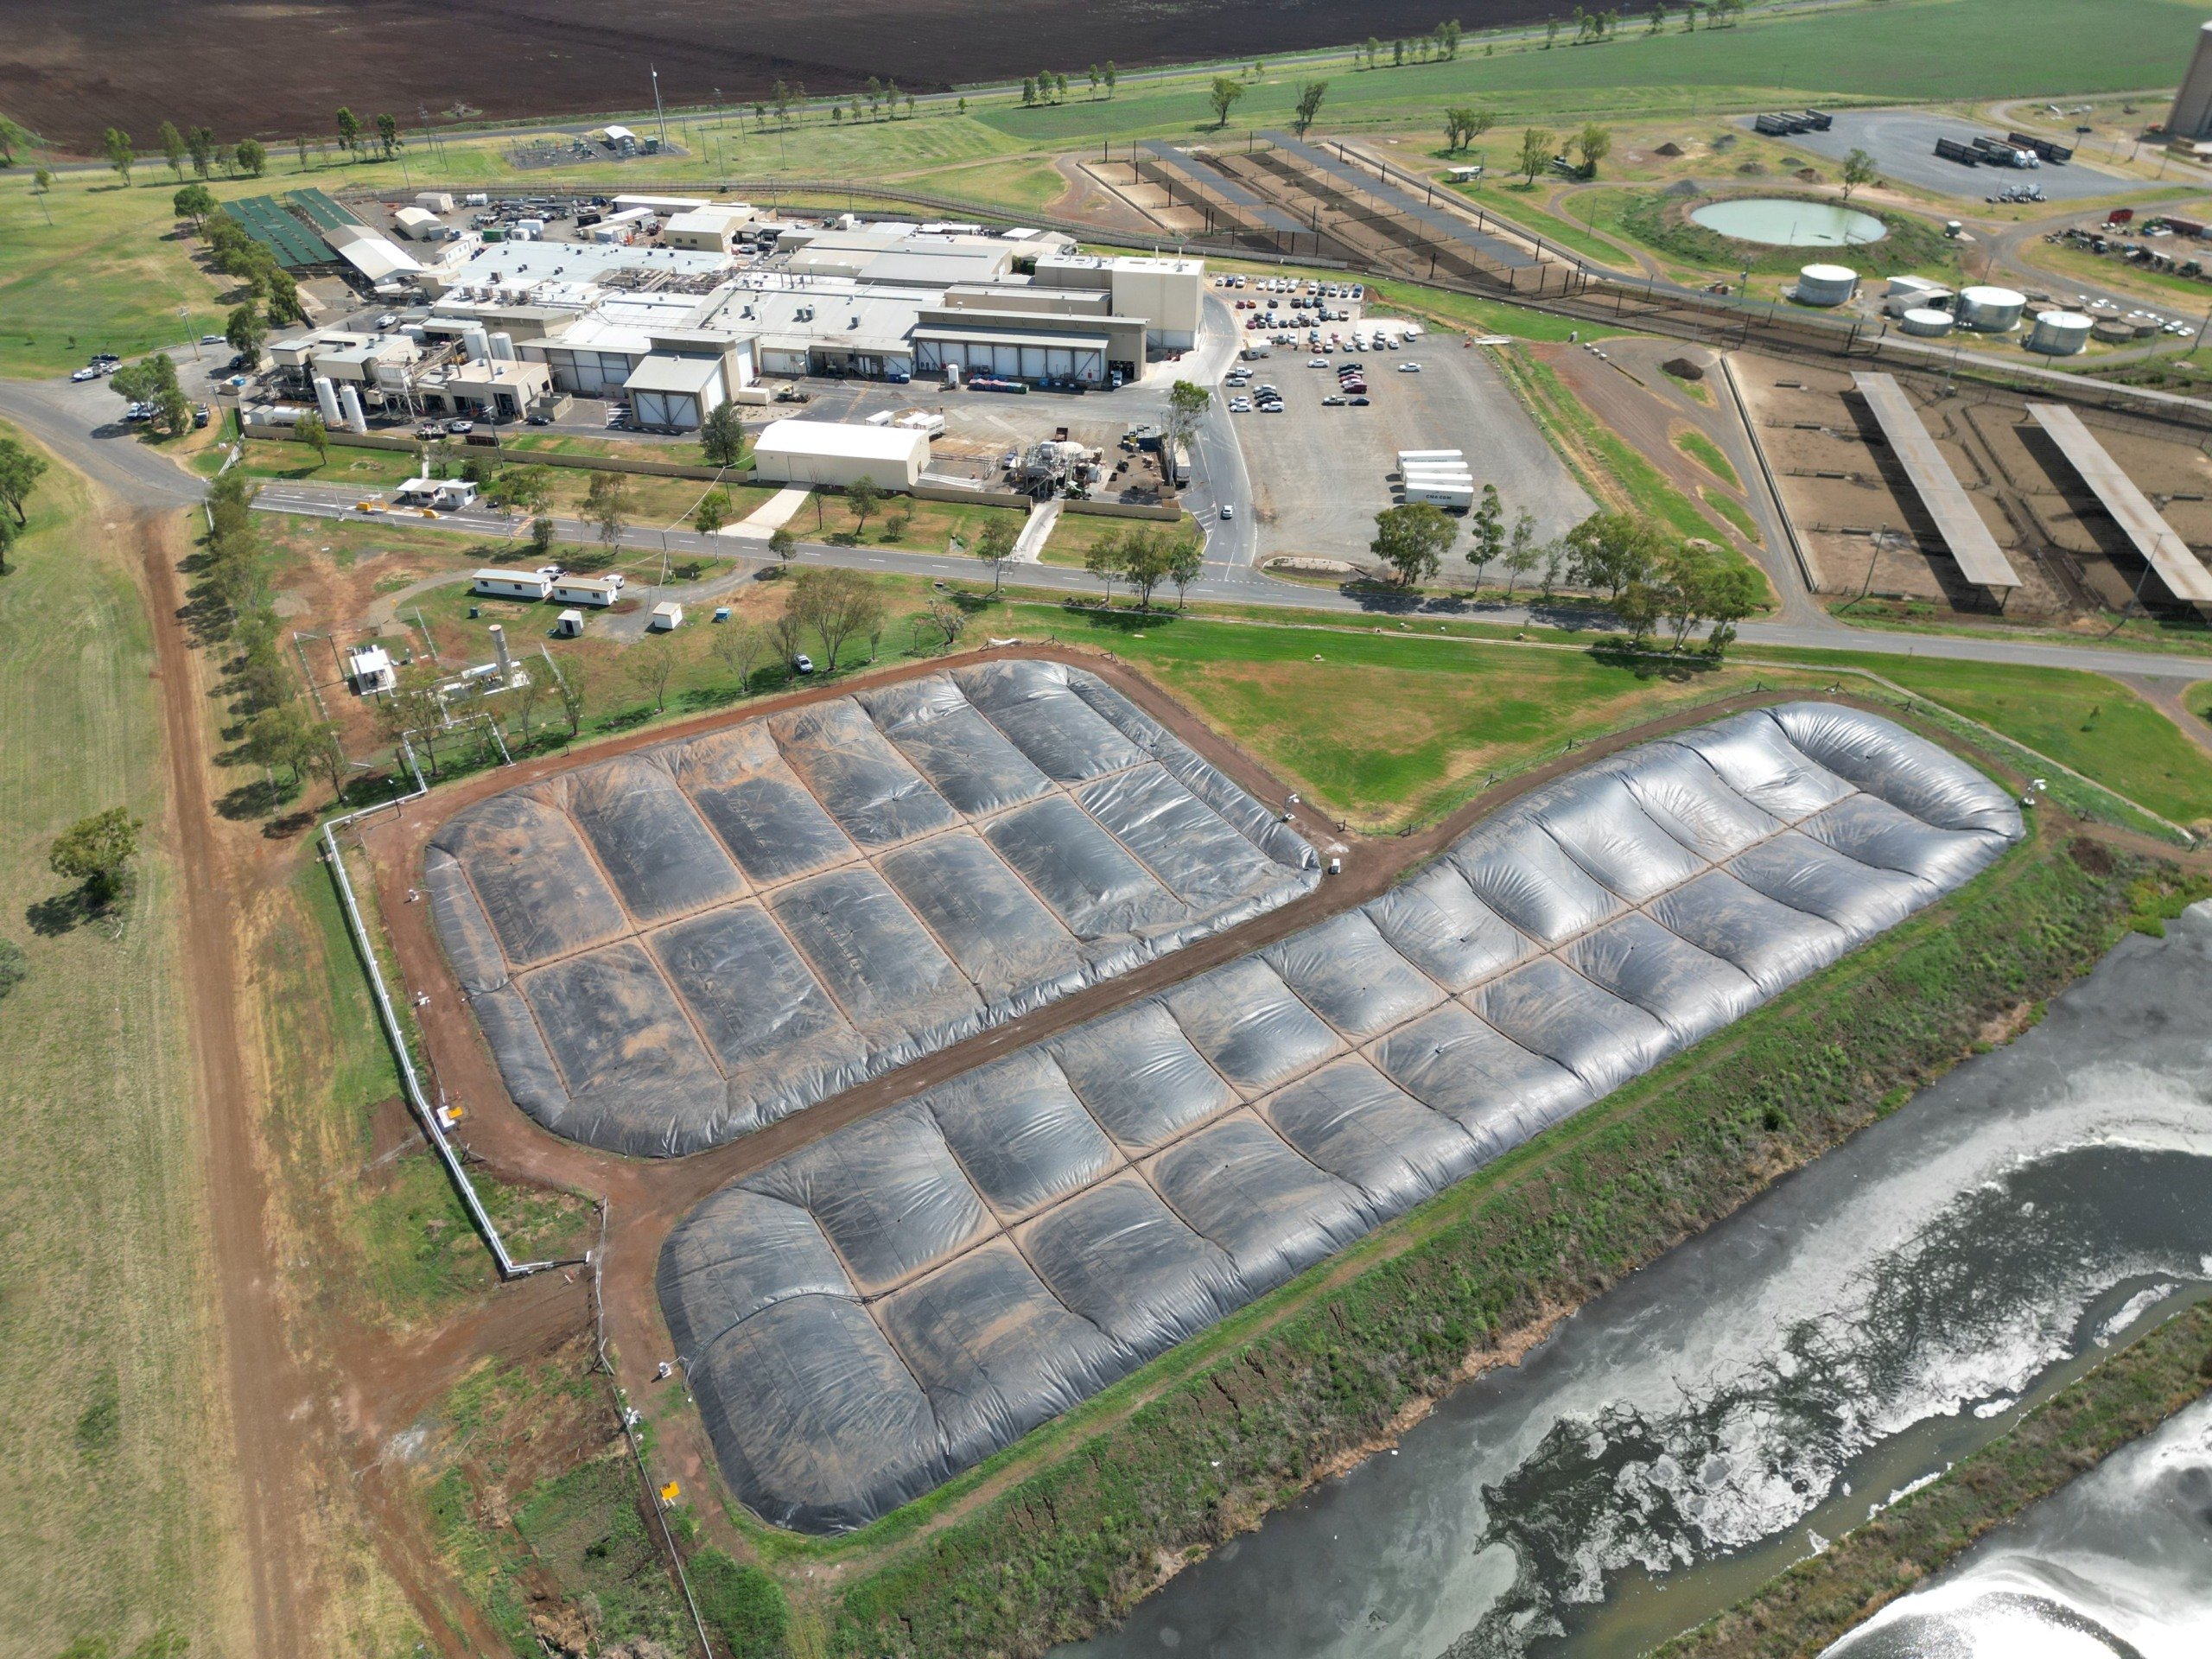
835 440
1979 559
2177 565
665 372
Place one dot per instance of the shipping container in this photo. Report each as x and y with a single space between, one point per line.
1952 150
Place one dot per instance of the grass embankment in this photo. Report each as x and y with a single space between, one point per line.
535 1508
1388 729
1817 1601
1662 223
1194 1448
363 1184
2092 724
115 1518
1610 468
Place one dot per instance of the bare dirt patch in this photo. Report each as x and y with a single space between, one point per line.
75 67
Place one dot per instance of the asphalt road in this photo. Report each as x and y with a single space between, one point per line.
80 423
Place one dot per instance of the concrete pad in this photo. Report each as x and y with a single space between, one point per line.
768 517
1029 546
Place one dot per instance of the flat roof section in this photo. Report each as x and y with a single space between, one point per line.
1980 560
2183 572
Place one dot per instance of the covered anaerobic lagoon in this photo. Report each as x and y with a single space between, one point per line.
1781 223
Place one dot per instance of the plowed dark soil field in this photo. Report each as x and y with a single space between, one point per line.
71 68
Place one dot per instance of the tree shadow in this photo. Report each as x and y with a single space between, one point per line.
62 912
257 799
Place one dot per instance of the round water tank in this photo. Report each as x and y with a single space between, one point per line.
1991 310
2113 331
2061 334
1826 284
1926 320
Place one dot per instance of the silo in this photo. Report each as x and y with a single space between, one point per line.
1990 310
475 344
326 399
503 346
2192 112
1826 284
1926 320
2061 334
349 399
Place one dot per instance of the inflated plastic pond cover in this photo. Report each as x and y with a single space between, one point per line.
668 950
866 1317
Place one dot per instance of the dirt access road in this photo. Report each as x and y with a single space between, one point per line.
315 1402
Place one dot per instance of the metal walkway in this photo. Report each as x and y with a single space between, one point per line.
1981 560
2183 572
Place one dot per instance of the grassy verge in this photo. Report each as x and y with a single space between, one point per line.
1732 510
1704 451
1817 1601
115 1518
1193 1449
1607 464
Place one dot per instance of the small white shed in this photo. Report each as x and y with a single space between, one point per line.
667 616
369 669
569 624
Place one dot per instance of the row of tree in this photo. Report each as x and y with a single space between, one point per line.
1439 45
1648 577
248 157
1145 556
236 607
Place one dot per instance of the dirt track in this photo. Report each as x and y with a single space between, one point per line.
266 1388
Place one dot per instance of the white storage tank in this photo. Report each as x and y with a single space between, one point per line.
1926 320
326 399
1826 284
475 341
1990 310
503 346
349 401
2061 334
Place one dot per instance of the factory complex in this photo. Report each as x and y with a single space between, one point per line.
688 304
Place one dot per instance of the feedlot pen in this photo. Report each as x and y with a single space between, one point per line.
1863 530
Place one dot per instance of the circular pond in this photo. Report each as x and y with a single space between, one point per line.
1784 224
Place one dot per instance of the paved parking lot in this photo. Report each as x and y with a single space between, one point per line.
1903 144
1319 475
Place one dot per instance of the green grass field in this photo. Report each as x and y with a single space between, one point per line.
115 1509
1389 727
1908 49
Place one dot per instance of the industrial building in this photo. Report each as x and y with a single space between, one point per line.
682 327
826 452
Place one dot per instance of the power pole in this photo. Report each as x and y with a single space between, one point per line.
659 115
